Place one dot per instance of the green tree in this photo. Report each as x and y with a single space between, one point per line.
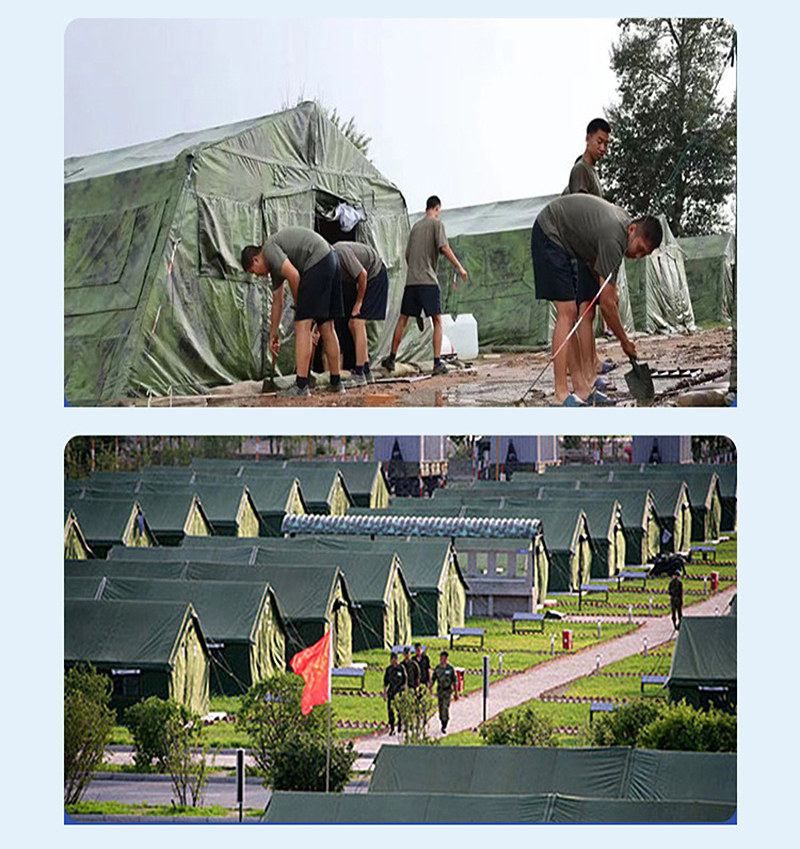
185 758
623 726
415 707
673 144
88 721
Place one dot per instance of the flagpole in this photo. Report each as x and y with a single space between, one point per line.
330 674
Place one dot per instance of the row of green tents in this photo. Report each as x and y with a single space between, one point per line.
160 505
156 302
519 784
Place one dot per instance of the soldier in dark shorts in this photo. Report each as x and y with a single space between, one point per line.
423 662
365 291
675 590
394 682
310 266
444 676
598 235
412 669
426 241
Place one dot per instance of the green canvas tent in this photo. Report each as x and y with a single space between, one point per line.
601 772
155 301
310 599
709 262
703 669
493 243
410 807
244 631
659 292
365 481
75 545
106 522
148 648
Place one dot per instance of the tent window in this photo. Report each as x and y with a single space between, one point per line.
481 562
225 226
96 248
126 683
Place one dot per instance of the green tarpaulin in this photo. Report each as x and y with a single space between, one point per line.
611 773
410 807
155 301
106 522
703 666
709 262
149 648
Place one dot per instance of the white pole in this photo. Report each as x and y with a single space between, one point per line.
330 676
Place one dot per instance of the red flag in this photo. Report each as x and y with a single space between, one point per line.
313 665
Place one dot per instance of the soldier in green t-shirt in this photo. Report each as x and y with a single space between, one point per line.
310 266
444 676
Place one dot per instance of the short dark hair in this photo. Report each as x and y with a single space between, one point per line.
393 656
649 227
249 253
432 202
444 654
598 124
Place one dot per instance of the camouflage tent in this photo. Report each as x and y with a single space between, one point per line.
709 262
155 301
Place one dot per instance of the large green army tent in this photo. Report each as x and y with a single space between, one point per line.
107 521
709 262
244 631
658 289
149 648
610 773
413 807
155 301
365 482
310 599
703 669
75 545
493 243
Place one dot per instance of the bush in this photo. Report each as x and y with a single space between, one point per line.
299 763
271 714
680 727
623 725
415 707
170 735
523 727
88 721
148 721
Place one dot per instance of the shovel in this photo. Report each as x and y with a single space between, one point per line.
640 381
269 382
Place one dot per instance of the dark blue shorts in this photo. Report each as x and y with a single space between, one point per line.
319 295
556 276
375 298
421 299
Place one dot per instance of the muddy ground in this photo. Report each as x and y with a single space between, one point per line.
499 380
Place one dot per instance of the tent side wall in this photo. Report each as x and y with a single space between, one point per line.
190 679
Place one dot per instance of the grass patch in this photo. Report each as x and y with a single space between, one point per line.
122 809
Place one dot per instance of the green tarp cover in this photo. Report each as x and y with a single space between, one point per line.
493 243
154 298
613 773
658 290
360 478
705 653
321 486
109 521
709 262
406 808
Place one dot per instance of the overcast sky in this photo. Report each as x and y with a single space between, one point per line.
472 110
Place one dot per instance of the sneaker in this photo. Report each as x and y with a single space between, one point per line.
355 381
388 362
294 391
370 376
312 381
598 399
337 388
440 368
420 323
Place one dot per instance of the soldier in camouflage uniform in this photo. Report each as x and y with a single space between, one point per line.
445 678
394 682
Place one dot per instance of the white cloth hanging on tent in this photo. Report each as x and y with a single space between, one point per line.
347 217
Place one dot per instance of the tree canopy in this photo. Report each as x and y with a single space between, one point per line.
673 147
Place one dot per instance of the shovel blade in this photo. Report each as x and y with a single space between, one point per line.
640 381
